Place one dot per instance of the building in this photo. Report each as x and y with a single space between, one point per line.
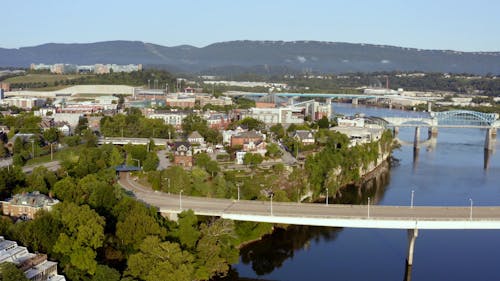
195 138
359 135
351 122
5 86
36 267
182 102
26 205
23 102
207 99
246 137
304 136
218 121
282 115
183 155
171 117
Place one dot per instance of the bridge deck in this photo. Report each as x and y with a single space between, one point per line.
358 216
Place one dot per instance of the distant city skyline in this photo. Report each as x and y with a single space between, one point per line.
425 24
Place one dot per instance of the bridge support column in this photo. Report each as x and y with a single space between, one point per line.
433 132
395 131
429 106
489 141
412 236
355 101
417 137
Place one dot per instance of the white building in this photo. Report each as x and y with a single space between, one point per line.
280 115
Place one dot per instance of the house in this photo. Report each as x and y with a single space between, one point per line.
306 137
246 137
195 137
63 127
183 155
46 123
255 147
26 205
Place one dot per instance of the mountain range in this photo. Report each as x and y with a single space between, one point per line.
260 57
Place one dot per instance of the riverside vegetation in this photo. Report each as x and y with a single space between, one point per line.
99 232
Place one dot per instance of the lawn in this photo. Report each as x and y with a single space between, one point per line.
48 78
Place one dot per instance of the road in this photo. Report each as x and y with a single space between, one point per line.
51 166
363 216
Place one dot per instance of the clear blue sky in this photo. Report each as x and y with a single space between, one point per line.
427 24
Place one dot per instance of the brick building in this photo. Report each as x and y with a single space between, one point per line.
26 205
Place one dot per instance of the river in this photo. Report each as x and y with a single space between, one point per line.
450 173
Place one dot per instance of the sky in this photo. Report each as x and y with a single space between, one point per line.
426 24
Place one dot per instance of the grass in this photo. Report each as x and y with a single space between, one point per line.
48 78
72 152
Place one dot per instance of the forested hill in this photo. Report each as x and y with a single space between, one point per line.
259 57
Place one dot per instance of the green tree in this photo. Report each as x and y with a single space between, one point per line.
83 233
52 135
273 150
10 272
135 223
187 232
158 260
215 249
193 123
278 131
105 273
323 123
151 162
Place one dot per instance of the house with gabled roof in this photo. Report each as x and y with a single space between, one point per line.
306 137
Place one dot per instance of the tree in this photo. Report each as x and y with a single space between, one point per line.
10 272
135 223
193 123
215 249
278 131
105 273
158 260
187 232
252 123
323 123
52 135
273 150
151 162
83 233
252 159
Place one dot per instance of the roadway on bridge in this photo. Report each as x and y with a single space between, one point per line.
359 216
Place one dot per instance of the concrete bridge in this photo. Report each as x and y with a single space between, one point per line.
134 141
411 218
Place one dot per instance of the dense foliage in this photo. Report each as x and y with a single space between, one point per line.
98 232
134 124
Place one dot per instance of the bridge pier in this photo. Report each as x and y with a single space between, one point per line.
433 132
417 137
355 101
489 141
412 236
395 131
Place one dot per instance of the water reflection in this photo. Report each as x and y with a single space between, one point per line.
273 250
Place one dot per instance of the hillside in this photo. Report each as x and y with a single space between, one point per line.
259 56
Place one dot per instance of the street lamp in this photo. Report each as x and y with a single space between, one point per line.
411 201
33 147
180 199
327 196
168 185
272 203
470 216
138 162
238 185
368 207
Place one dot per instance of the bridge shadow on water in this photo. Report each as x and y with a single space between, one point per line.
272 251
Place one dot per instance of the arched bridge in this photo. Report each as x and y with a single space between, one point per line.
453 118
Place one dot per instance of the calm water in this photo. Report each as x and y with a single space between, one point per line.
448 174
